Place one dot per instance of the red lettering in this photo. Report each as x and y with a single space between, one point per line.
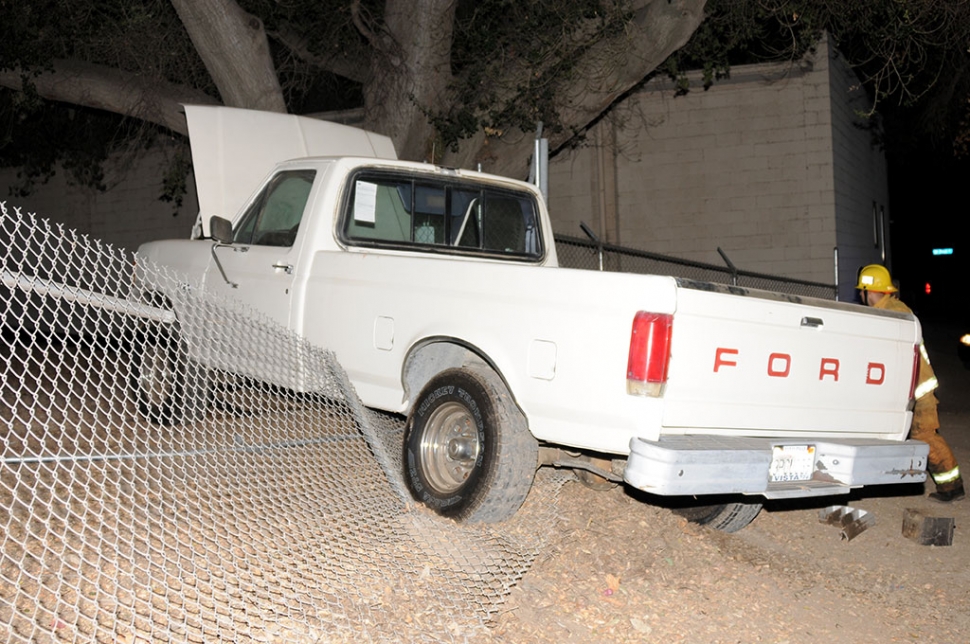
830 367
779 373
719 360
875 366
779 366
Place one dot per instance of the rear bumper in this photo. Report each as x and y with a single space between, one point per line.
689 465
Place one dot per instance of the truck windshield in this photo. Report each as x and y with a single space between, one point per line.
440 215
273 219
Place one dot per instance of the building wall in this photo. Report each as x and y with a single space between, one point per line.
126 215
861 181
748 166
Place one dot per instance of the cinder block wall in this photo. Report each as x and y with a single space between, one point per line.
126 215
861 181
749 166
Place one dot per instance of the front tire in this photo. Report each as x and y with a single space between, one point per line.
468 452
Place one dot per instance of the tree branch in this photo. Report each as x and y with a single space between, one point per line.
607 67
614 65
362 27
112 90
356 69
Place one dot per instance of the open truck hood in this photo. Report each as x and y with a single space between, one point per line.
234 149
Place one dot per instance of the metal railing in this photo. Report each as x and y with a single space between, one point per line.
591 254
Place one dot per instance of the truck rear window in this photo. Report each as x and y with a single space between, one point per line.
441 215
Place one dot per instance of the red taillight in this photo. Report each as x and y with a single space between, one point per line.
646 368
915 378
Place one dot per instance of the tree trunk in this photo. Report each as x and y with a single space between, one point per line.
234 48
410 72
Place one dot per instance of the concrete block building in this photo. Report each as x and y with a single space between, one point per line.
772 165
127 214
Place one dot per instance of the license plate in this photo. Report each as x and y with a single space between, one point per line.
791 463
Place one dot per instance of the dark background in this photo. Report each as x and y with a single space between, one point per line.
929 197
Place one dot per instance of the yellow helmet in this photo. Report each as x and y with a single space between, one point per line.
875 278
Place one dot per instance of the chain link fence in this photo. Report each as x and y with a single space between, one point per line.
575 252
208 476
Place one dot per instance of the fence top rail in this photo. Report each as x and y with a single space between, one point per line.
636 252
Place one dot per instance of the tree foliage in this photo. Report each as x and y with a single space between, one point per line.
912 55
462 82
143 39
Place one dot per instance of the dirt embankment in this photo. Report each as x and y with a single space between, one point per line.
624 571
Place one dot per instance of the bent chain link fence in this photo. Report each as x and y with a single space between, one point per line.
575 252
145 497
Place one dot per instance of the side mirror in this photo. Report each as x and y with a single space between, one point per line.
221 229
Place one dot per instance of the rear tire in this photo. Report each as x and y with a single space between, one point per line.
726 517
468 452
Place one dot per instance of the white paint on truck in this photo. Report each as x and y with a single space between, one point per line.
404 271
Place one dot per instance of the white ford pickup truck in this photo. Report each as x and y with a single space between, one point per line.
438 290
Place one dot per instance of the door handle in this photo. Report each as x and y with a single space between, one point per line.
812 322
288 268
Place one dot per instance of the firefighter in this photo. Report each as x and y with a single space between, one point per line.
876 289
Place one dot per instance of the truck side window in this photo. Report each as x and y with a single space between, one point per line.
504 224
429 214
380 211
446 214
273 218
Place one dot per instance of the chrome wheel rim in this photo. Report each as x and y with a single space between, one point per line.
449 448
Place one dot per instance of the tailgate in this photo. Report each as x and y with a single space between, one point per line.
758 363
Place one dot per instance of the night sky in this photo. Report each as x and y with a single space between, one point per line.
930 208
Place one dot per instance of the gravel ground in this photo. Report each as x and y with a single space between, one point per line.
612 567
627 571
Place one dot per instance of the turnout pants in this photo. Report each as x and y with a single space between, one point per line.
942 463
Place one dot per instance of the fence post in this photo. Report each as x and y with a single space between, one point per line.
599 245
734 269
835 262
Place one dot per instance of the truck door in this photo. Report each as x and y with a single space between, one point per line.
261 264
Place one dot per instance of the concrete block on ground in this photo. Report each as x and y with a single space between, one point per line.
926 530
